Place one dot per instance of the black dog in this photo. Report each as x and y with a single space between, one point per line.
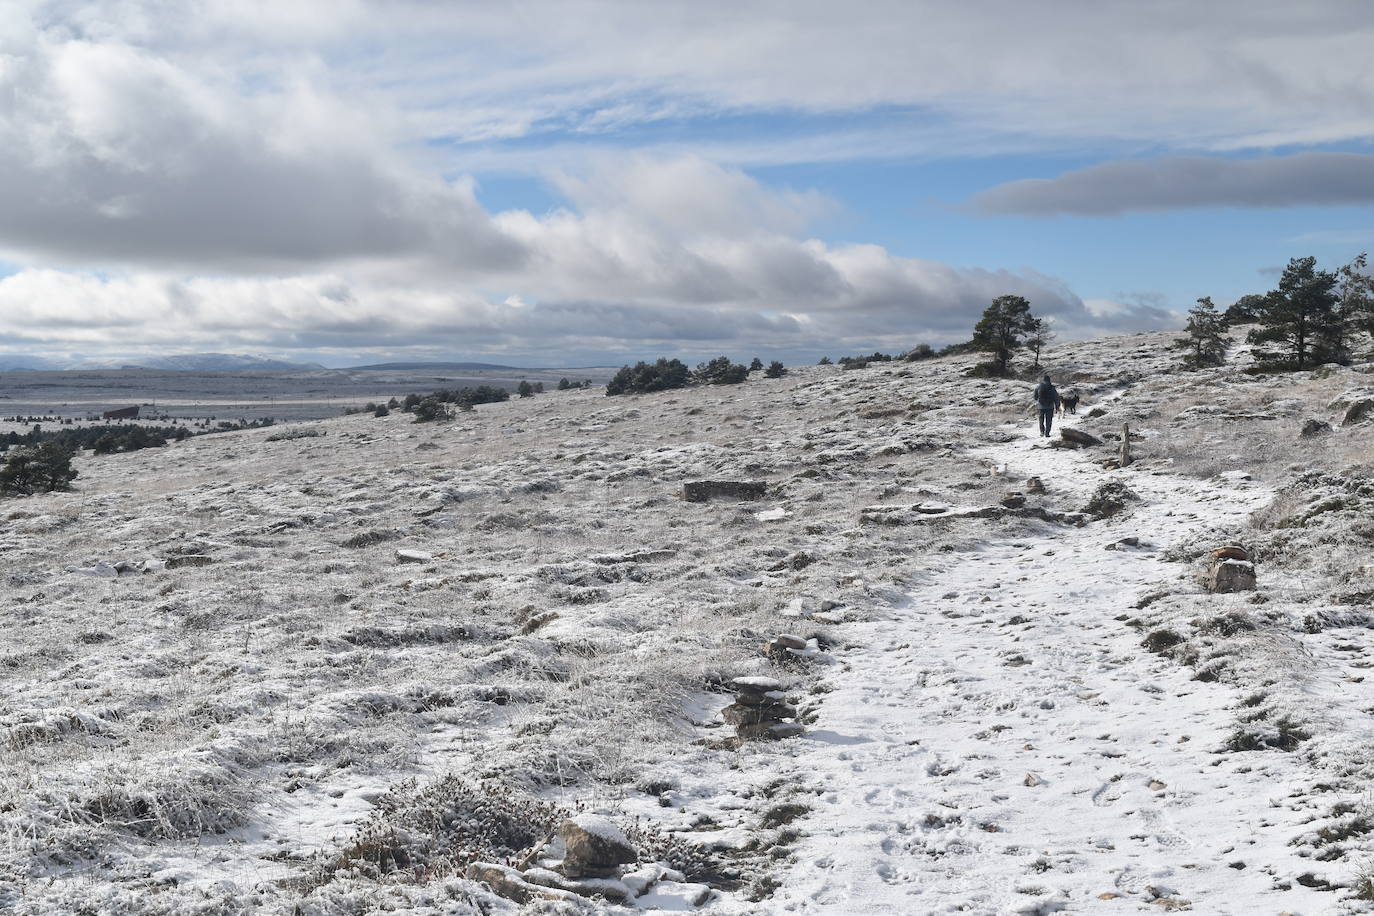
1069 402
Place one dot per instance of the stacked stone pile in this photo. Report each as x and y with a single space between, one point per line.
760 709
1229 569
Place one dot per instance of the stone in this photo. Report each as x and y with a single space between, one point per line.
1230 552
789 641
771 731
594 847
740 714
1109 499
1358 412
1014 500
1226 576
700 491
1035 485
190 559
760 697
756 683
1077 437
1313 428
413 556
1097 412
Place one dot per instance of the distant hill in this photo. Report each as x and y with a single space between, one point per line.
187 362
427 367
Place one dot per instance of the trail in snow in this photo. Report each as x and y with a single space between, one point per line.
1005 744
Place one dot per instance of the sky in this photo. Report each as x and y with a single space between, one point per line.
580 183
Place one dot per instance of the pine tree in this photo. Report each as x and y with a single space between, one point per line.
525 389
1039 337
1206 341
756 365
1002 330
1302 317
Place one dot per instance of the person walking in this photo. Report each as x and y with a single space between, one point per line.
1047 400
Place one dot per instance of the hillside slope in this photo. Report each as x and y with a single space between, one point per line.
342 626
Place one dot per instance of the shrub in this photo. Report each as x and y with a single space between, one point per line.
720 371
756 365
775 370
393 404
525 389
920 352
431 409
381 411
410 403
564 384
644 377
39 468
824 361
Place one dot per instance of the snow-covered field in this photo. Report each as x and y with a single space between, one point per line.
1013 705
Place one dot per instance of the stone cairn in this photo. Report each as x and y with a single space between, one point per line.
1229 569
759 710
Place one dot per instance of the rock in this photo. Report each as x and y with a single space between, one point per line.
1035 485
756 683
1358 412
1225 576
789 641
760 697
413 556
772 731
700 491
740 714
190 559
1096 412
1109 499
1078 437
1230 552
1014 500
594 847
1313 428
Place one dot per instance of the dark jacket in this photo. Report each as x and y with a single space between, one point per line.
1047 396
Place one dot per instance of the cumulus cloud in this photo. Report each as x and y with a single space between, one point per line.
1188 182
278 176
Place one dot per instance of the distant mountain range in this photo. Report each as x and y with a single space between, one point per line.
427 367
189 362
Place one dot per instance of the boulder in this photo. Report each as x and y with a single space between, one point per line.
1014 500
700 491
1314 428
1358 412
1078 437
413 556
594 847
1225 576
789 641
1035 485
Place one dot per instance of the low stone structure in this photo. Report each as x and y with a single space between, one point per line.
1230 570
759 710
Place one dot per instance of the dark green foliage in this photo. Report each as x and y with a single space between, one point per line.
1245 310
644 377
862 362
824 361
525 389
756 365
393 404
1003 329
1356 291
920 352
720 371
431 409
410 402
1206 340
1301 319
103 439
538 387
381 411
564 384
775 369
39 468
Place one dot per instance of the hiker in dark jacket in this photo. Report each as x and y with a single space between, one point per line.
1047 400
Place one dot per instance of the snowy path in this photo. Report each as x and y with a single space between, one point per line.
1005 744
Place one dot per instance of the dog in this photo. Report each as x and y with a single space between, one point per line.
1069 403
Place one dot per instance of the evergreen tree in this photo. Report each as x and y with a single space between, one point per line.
1039 337
525 389
1002 330
1245 310
825 361
37 468
1206 341
1356 291
564 384
1302 318
775 369
720 371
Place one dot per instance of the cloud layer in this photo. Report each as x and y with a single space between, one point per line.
1188 182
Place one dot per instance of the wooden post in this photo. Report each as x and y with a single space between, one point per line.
1125 458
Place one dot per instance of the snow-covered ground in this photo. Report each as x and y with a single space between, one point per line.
1022 710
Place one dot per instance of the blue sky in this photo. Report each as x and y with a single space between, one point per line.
594 182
